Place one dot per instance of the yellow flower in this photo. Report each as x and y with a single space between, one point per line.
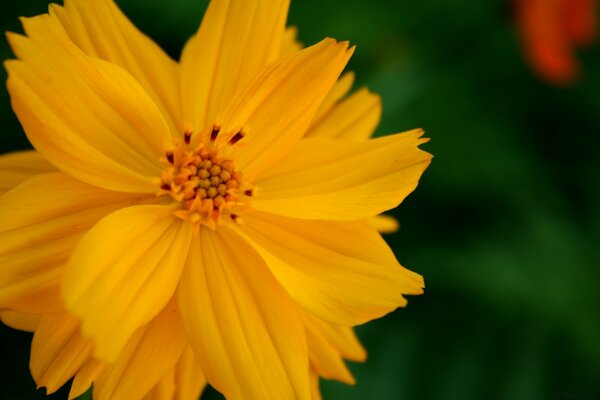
208 217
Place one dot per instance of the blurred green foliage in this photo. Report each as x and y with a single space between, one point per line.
504 225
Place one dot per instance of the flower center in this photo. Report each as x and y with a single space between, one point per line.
207 186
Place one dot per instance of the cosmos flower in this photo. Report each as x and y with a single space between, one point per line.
193 223
551 31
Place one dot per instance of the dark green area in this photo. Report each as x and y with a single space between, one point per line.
504 225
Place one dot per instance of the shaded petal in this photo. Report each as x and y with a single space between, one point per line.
19 166
353 118
275 109
343 272
43 219
337 92
235 41
289 42
100 29
85 377
189 379
244 329
184 382
330 179
57 351
384 223
164 389
123 272
20 321
150 354
88 117
315 391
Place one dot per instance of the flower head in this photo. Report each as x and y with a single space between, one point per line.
210 218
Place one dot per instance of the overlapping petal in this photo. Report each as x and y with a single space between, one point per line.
88 117
57 351
20 321
100 29
123 272
273 112
331 179
354 118
18 166
236 40
150 355
343 272
328 345
43 219
184 382
245 330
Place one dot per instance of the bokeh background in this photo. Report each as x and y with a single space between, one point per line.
505 224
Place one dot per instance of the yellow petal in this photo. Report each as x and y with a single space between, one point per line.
43 219
244 329
337 92
100 29
57 351
343 272
331 179
384 223
184 382
353 118
235 41
275 109
88 117
123 272
19 166
148 357
20 321
342 338
315 391
90 370
189 379
164 389
289 43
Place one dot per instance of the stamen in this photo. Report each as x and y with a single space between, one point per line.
187 137
236 138
214 133
204 184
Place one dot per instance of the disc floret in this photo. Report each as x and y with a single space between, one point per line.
206 185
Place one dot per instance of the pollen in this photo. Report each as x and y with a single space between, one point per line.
206 186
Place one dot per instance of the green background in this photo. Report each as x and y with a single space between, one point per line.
504 224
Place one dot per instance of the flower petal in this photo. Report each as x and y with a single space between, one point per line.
244 329
343 272
337 92
84 378
384 223
189 378
88 117
100 29
148 357
19 166
20 321
123 272
57 351
289 42
235 41
43 219
330 179
184 382
353 118
315 391
273 112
